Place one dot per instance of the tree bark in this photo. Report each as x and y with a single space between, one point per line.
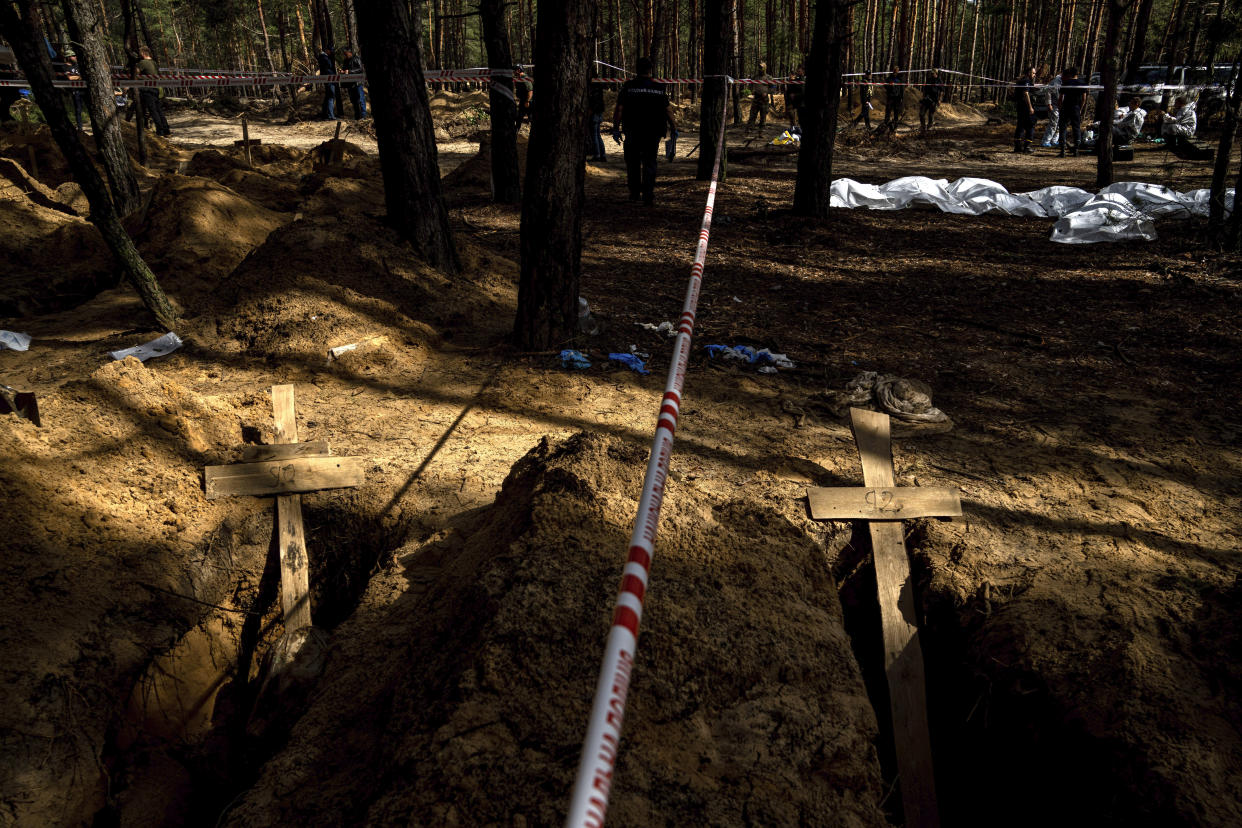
403 130
1138 49
715 90
1108 95
506 178
86 28
819 123
1218 234
551 232
31 55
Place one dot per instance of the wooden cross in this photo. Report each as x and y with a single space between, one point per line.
884 506
285 469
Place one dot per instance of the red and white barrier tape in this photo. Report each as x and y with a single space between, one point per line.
589 802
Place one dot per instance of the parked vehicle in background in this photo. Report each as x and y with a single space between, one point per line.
1216 85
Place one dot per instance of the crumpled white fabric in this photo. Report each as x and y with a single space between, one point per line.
1120 212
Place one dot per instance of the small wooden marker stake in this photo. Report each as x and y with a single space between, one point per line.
884 506
246 141
286 469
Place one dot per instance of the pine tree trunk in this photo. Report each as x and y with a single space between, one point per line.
819 118
27 43
1108 95
404 131
86 28
551 232
716 34
1218 235
506 180
1138 49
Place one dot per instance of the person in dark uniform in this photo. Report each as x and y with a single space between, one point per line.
894 95
1024 103
595 102
795 94
865 92
1072 93
357 95
151 106
933 93
72 73
643 113
327 67
522 91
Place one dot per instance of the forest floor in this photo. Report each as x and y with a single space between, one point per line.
1080 622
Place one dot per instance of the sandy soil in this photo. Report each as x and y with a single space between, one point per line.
1080 622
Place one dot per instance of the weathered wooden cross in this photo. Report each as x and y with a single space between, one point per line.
884 506
286 469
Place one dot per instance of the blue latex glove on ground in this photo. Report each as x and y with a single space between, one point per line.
574 359
630 361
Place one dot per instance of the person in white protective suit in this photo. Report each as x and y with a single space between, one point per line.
1128 122
1181 122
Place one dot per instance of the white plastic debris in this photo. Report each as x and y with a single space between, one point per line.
1119 212
159 347
665 328
14 341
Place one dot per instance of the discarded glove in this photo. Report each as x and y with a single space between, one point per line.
630 361
745 353
574 359
665 328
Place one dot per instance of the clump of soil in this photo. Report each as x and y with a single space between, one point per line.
113 470
195 231
334 280
52 258
747 704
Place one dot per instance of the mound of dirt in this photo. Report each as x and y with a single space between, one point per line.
335 151
475 173
114 470
195 231
211 163
52 259
36 151
747 706
341 278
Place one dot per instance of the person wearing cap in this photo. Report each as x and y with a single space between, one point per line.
760 98
150 98
71 73
357 95
327 67
643 113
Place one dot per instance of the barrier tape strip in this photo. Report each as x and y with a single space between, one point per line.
589 802
228 78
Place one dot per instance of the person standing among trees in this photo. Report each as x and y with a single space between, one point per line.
357 95
151 106
894 93
933 91
864 102
72 73
1070 100
760 99
595 102
795 94
522 89
1052 93
1024 103
642 113
327 67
